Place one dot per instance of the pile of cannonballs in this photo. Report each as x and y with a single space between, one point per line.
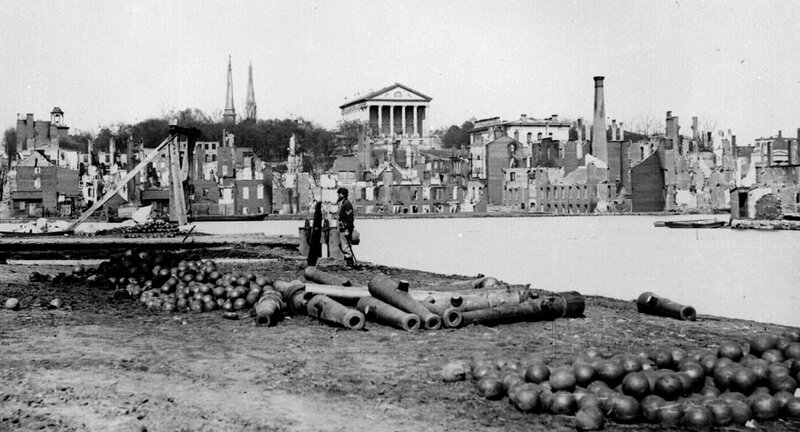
697 389
154 228
164 281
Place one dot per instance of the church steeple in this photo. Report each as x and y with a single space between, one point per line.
229 115
250 107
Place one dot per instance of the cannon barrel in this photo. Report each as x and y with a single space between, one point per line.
568 304
329 310
451 316
382 312
316 275
293 295
537 309
269 307
652 304
490 298
389 290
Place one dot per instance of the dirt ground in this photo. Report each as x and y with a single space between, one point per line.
103 363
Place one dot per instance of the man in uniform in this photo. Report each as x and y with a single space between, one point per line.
346 219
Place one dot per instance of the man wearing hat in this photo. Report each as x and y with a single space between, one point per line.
346 219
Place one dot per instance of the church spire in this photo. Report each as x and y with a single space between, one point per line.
250 107
229 115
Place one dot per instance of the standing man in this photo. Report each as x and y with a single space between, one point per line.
346 219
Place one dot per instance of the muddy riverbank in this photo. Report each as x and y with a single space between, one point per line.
107 363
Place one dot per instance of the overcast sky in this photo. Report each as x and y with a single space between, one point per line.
732 63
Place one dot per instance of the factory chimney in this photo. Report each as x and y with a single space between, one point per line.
599 143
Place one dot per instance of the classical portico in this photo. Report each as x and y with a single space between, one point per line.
394 111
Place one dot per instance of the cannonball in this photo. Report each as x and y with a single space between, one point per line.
721 412
537 372
610 371
744 380
764 407
525 399
722 377
562 379
510 378
697 417
730 350
773 355
792 351
791 409
651 406
455 371
12 304
563 403
589 419
741 411
636 385
483 369
669 387
625 409
490 387
671 414
584 373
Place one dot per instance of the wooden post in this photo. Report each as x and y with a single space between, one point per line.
177 202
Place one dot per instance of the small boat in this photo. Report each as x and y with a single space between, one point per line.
227 218
695 223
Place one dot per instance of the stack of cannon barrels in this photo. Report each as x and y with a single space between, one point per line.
731 384
390 302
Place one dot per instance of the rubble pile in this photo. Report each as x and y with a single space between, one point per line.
700 389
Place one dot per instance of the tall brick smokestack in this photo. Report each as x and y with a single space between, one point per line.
599 143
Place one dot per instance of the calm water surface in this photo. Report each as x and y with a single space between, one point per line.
731 273
744 274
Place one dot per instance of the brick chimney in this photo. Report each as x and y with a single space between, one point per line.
621 132
599 143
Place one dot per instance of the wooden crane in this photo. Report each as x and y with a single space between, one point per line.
178 173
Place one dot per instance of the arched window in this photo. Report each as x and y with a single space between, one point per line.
539 136
530 137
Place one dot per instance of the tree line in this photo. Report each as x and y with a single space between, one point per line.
269 139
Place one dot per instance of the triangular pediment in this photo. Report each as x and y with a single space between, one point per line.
397 92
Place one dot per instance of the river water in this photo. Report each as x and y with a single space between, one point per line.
745 274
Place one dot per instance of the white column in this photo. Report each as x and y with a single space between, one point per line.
391 120
380 120
416 131
424 121
403 128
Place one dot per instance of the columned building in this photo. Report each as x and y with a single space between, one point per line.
395 110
